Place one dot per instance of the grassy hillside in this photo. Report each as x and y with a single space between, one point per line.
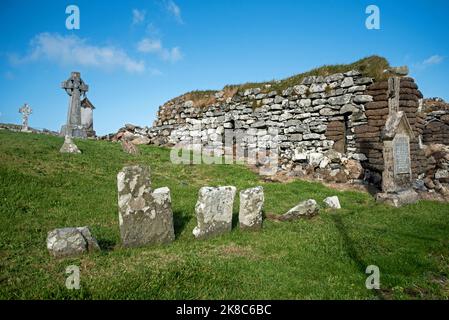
321 258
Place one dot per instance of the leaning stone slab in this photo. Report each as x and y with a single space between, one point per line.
332 202
69 146
145 216
70 242
398 199
130 148
251 205
214 211
305 209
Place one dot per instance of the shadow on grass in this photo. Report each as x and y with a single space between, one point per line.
235 220
180 222
106 244
352 251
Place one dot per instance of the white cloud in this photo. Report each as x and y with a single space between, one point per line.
435 59
174 10
155 46
149 46
173 55
72 50
138 16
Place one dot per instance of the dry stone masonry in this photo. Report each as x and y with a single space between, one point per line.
214 211
310 118
329 128
145 216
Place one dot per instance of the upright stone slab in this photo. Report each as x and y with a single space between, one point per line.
145 216
251 205
214 211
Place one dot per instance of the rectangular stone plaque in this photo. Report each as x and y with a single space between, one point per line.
401 155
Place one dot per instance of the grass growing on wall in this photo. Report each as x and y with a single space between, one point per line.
372 66
321 258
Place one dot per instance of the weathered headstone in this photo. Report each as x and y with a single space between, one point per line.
75 88
26 111
69 146
145 216
251 205
69 242
214 211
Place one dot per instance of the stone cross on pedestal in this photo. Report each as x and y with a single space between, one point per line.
75 88
25 110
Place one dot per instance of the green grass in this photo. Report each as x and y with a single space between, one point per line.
321 258
372 66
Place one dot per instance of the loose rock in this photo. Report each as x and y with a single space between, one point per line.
71 242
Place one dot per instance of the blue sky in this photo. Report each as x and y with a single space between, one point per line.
135 55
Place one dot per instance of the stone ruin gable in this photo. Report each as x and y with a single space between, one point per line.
436 129
369 136
315 116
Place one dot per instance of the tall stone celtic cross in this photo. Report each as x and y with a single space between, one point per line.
75 88
25 110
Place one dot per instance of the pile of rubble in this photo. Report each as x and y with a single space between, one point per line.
437 176
130 133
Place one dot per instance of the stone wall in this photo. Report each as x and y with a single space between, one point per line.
344 112
369 136
436 128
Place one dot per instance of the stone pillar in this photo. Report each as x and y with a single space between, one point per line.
145 216
214 211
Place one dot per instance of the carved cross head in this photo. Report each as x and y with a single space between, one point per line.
75 84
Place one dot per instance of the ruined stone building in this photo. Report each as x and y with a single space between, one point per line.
340 127
87 118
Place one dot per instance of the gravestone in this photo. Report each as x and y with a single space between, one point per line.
214 211
70 242
75 88
332 202
397 182
251 205
145 216
26 111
